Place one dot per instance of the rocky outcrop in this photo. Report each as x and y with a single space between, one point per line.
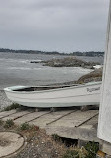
36 61
95 75
69 62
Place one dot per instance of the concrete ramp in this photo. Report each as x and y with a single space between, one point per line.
73 124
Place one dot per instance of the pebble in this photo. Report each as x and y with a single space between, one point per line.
4 101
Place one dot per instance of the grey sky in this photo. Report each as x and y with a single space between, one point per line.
61 25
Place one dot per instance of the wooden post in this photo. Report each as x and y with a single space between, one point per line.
104 124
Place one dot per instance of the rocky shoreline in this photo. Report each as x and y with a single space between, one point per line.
69 62
93 76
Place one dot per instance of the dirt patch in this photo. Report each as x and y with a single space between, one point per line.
4 142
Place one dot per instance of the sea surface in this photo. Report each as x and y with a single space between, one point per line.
16 69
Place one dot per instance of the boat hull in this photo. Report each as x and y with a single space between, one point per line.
88 94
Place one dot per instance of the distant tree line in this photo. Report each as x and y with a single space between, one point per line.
27 51
90 53
77 53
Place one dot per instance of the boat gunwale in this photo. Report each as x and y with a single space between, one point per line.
8 89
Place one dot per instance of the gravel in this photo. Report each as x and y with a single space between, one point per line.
4 101
40 145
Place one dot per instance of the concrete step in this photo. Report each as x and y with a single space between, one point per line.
16 115
50 118
29 117
6 113
73 124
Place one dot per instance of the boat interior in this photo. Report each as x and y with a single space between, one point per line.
42 88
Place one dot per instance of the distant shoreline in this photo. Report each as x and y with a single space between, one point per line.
76 53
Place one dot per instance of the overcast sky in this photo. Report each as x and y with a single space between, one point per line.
53 25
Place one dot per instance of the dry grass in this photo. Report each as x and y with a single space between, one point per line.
74 152
41 145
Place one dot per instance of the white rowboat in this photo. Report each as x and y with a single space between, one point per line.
51 96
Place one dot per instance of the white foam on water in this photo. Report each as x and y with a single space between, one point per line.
81 70
14 60
39 68
19 68
23 61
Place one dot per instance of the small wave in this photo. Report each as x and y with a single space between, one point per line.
15 60
23 61
81 70
19 68
37 68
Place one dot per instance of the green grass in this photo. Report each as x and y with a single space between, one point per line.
25 126
88 151
71 154
56 137
9 123
12 106
92 149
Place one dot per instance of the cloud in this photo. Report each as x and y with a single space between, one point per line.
62 25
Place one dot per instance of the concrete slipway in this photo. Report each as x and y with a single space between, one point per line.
75 124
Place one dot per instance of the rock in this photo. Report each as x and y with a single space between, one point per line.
95 75
36 61
69 62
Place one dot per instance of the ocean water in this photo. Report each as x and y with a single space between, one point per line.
16 69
